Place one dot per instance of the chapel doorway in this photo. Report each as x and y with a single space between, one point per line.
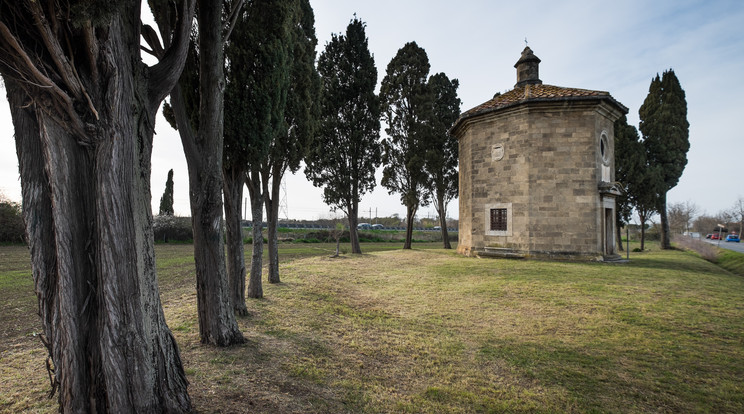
609 233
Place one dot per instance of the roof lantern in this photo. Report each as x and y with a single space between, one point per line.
528 69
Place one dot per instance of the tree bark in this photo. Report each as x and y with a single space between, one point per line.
353 231
642 218
255 289
272 218
442 211
87 207
234 179
619 234
203 150
410 215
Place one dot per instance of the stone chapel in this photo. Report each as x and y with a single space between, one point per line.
537 173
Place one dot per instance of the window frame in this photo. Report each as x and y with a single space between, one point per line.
507 216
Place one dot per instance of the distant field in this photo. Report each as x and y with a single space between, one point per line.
429 331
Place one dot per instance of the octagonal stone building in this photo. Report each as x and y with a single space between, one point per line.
537 171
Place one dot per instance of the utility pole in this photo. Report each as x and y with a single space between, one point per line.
284 204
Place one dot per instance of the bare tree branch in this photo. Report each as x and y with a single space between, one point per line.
151 38
56 53
231 21
30 74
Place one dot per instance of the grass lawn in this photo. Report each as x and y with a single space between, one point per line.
430 331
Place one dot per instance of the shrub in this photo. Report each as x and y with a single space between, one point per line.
172 228
705 250
12 229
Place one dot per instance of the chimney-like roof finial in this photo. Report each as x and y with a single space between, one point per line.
528 70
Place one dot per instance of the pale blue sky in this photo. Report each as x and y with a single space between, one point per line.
612 46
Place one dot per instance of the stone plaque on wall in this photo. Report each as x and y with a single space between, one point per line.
497 152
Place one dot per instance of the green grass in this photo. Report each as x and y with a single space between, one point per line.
731 261
430 331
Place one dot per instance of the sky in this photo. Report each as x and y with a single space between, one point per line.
616 46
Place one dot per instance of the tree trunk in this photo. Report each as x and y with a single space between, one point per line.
255 289
234 179
665 241
353 231
272 217
410 215
217 324
89 223
619 234
642 219
442 211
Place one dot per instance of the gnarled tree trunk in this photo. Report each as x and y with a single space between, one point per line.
85 179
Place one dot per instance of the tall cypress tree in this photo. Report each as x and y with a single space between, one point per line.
289 146
407 107
345 156
196 110
255 101
166 201
441 154
666 137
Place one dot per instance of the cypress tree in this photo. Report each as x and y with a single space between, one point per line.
255 101
666 138
441 154
290 145
345 156
407 107
166 201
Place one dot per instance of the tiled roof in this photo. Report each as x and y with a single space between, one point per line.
536 93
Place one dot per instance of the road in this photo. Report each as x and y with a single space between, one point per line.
737 247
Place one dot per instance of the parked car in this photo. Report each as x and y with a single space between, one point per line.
732 238
364 226
709 235
377 226
715 236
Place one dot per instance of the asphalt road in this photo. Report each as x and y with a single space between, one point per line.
737 247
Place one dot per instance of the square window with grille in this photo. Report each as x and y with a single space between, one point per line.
498 219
